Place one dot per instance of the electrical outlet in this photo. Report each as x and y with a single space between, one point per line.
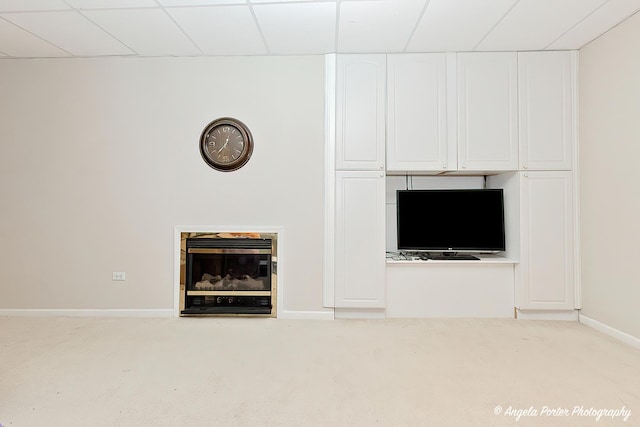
119 276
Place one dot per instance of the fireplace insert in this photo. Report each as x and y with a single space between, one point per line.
228 276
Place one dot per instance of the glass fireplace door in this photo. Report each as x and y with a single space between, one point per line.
228 276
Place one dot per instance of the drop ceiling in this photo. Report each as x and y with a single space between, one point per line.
91 28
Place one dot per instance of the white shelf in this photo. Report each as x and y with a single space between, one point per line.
484 259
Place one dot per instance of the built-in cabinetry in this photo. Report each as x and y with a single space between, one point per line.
545 277
360 240
360 112
417 100
452 112
546 88
450 288
487 111
507 116
359 235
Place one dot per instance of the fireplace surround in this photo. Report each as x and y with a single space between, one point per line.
228 274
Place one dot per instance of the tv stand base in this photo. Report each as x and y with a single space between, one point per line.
454 257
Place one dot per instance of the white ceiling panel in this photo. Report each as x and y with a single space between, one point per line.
281 1
301 28
58 28
221 30
456 25
16 42
24 5
199 2
69 31
377 26
111 4
609 15
158 36
534 24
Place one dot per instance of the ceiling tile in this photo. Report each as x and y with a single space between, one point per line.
69 31
377 26
301 28
221 30
15 41
456 25
283 1
609 15
199 2
145 31
533 24
111 4
25 5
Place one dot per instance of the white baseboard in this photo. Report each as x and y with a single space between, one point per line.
143 312
569 315
306 315
612 332
360 313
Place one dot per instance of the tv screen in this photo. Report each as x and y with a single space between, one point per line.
468 220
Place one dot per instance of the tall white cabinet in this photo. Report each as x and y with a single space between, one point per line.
359 238
546 274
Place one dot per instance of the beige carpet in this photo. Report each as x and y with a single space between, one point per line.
267 372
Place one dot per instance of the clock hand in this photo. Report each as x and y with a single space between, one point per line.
223 145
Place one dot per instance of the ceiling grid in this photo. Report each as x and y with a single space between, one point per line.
148 28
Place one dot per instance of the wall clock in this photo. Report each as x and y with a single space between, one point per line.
226 144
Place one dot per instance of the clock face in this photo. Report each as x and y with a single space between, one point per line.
226 144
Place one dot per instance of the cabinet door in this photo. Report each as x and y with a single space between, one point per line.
360 112
487 111
417 113
546 110
360 240
545 276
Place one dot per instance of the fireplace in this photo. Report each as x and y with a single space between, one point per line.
228 274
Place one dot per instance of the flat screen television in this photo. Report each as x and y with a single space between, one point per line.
469 220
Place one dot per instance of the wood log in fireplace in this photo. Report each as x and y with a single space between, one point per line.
229 283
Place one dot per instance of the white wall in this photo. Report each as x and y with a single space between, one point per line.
99 162
609 192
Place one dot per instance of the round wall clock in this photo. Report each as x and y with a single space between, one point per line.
226 144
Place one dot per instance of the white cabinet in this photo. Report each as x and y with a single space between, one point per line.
450 289
487 111
546 88
360 240
545 276
417 137
360 112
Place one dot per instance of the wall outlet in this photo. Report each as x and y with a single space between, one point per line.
119 276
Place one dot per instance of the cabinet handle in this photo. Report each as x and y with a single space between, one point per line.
444 166
526 175
524 167
381 166
464 166
381 175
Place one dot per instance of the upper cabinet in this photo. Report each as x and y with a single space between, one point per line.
546 97
487 111
463 113
417 137
360 112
